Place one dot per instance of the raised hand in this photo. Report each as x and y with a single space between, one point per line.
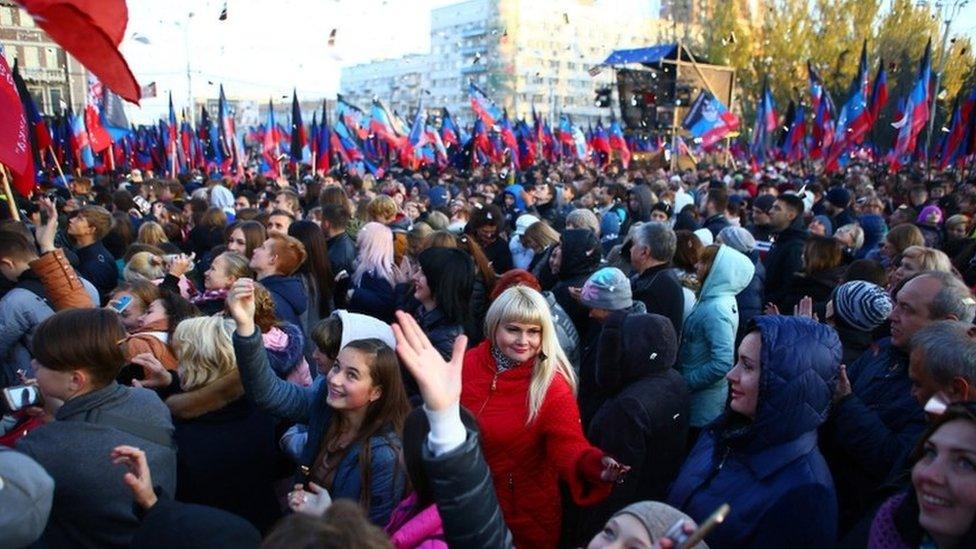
240 305
45 232
771 309
843 385
181 264
805 308
439 380
313 501
613 471
138 478
156 374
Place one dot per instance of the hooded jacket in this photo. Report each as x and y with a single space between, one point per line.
782 260
750 300
581 255
412 528
285 344
875 230
769 470
644 197
289 296
528 460
644 420
707 350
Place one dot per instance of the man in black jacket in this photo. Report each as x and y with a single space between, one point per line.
786 255
655 284
342 250
714 211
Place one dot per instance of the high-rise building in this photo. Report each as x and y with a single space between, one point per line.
524 54
54 78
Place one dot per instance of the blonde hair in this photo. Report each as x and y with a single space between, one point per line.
204 351
152 233
375 243
929 259
527 306
144 266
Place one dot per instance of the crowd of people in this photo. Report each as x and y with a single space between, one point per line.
560 357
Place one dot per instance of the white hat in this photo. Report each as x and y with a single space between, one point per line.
705 236
523 222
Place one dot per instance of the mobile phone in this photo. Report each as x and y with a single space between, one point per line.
19 397
682 540
130 372
120 304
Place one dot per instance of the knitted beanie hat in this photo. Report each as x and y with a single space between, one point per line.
862 305
738 239
657 518
608 288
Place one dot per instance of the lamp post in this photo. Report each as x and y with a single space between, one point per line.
185 26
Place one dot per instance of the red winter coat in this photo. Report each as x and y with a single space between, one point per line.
527 461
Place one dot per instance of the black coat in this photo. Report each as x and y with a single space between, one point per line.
750 300
226 459
782 260
818 285
643 422
465 496
662 294
581 254
716 223
499 255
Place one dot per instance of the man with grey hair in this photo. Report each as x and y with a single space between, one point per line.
943 362
875 419
654 283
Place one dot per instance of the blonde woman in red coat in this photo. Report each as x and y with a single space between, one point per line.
519 385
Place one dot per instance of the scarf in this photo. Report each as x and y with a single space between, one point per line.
502 362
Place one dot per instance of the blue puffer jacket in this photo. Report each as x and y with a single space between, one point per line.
769 470
708 337
289 296
374 296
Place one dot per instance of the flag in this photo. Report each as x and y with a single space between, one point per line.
148 91
955 140
708 120
40 136
483 106
113 118
508 137
766 122
80 142
98 138
270 143
879 92
91 32
225 125
450 134
793 142
915 113
618 143
854 119
323 159
351 118
15 143
601 143
822 106
298 136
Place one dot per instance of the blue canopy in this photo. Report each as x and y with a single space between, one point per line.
649 55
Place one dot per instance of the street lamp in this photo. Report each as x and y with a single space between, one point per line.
185 26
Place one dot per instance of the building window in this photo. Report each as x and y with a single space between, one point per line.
37 94
6 18
26 20
55 100
51 58
30 57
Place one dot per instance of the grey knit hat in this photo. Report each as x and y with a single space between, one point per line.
26 494
608 288
862 305
738 239
657 518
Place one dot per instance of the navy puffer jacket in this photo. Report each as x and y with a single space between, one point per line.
769 470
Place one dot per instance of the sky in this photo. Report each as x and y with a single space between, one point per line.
264 48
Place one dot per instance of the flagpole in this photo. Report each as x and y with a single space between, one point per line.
57 165
11 201
111 158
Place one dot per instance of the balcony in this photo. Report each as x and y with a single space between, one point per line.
471 33
473 69
471 50
38 74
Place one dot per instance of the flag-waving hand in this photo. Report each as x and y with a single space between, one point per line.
439 381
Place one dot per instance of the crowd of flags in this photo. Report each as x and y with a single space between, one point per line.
375 139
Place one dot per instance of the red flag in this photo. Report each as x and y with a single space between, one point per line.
15 149
91 31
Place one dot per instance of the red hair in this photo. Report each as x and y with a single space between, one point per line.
514 277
